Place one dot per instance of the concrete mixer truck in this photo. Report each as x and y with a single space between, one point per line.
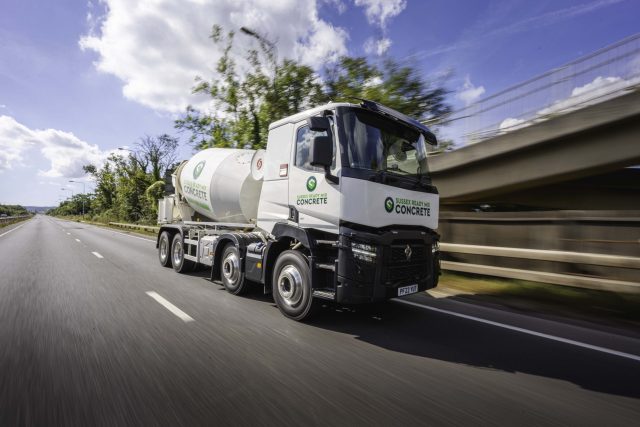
338 208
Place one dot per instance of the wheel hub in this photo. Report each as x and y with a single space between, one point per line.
290 285
177 253
163 249
231 268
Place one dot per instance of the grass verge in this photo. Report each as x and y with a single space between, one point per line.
107 225
603 307
15 221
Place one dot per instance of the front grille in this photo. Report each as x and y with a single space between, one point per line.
401 269
399 256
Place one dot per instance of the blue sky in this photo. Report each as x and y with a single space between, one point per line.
80 78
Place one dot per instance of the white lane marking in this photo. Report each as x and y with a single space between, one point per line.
97 255
135 237
172 308
78 240
527 331
13 229
68 234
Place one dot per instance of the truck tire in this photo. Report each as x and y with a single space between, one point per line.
164 249
180 264
230 272
291 286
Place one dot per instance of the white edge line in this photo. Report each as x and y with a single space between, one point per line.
97 255
118 232
172 308
13 229
135 237
527 331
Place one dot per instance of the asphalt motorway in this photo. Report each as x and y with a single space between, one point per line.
93 331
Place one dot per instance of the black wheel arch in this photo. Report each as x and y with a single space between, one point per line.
172 229
240 240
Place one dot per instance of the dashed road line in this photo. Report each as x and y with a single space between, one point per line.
97 255
634 357
78 240
172 308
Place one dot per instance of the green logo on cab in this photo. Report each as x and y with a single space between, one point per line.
198 169
312 183
388 204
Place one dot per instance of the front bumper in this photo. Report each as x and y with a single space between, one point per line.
394 266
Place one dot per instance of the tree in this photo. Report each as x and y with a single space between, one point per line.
157 154
128 188
398 86
268 91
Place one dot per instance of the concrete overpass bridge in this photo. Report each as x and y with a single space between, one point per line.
567 139
579 160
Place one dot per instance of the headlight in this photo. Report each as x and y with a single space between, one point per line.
363 252
435 248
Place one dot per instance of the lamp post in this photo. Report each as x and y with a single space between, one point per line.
132 155
273 49
68 189
84 192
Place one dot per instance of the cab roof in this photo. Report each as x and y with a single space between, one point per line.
308 113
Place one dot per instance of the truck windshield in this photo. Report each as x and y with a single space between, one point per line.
379 144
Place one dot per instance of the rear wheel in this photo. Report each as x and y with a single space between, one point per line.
292 286
230 273
180 264
164 249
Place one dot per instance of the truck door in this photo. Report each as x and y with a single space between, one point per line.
312 199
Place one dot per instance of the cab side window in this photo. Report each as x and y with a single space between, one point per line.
304 136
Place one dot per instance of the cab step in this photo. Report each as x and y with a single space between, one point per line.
324 294
324 266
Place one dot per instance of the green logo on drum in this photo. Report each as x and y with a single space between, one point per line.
198 169
312 183
388 204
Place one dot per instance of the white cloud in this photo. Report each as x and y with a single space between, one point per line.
378 47
512 124
65 151
157 47
469 93
378 12
338 4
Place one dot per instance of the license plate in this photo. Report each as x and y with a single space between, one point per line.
407 290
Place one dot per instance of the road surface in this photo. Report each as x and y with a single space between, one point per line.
93 331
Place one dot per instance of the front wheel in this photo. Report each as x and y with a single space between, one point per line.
291 286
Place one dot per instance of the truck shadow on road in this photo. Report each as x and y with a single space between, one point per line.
411 330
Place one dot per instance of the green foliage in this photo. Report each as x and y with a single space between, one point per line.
127 188
269 90
395 85
13 210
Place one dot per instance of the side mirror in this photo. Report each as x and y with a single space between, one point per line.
319 124
430 138
321 151
321 154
